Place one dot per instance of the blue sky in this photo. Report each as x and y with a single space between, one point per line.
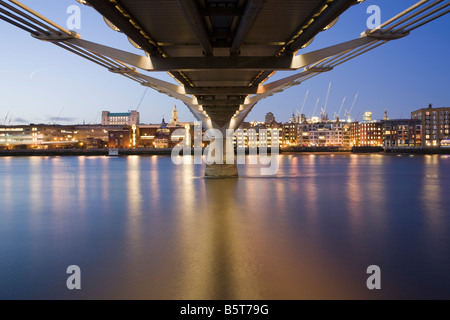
41 83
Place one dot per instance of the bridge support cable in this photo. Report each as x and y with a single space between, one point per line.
410 13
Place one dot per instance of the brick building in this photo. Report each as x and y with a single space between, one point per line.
435 125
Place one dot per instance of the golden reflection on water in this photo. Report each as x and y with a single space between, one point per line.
211 250
377 195
366 202
60 187
295 168
135 231
81 179
436 228
7 202
35 184
431 192
354 200
178 236
243 239
134 194
310 190
236 245
155 180
189 282
105 183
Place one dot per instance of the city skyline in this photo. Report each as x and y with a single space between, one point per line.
65 88
283 118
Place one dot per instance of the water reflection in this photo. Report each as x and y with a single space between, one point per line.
436 219
208 264
35 185
81 179
154 179
141 227
7 184
431 192
105 172
353 195
134 186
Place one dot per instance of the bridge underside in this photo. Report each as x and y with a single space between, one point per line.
200 42
221 52
225 29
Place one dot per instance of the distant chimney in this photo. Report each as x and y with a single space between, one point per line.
430 106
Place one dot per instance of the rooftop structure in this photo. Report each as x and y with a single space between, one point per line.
125 118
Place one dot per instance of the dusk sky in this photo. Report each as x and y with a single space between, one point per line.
42 83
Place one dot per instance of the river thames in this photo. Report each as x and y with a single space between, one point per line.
144 228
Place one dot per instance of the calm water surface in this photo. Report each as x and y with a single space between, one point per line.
143 228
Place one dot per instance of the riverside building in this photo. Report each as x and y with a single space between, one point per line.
124 119
402 133
435 125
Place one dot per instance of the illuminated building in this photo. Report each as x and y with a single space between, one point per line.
162 136
402 133
270 118
435 125
367 116
20 136
294 118
324 134
367 134
37 136
290 134
125 119
94 136
174 120
119 139
256 134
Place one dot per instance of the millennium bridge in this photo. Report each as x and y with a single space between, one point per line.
221 53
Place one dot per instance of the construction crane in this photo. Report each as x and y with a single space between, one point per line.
299 114
337 115
348 113
315 108
6 118
142 99
96 117
57 119
324 109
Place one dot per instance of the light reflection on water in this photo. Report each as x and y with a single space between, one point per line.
140 227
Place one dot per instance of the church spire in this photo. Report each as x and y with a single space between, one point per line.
175 119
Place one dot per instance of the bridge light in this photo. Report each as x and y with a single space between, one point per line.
308 43
84 2
110 24
134 44
331 24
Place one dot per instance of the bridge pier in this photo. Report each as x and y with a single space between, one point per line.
221 171
221 151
